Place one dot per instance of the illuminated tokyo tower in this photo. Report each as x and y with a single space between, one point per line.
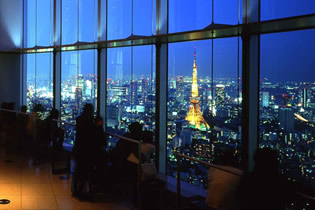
194 115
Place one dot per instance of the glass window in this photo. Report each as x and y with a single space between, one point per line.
38 23
230 14
87 20
44 23
203 105
30 23
126 18
69 21
130 89
119 19
287 101
144 17
39 81
189 88
227 93
271 9
78 85
187 15
30 81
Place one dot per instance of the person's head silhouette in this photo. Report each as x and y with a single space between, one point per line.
88 110
266 160
54 114
135 128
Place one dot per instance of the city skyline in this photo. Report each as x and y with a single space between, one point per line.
286 90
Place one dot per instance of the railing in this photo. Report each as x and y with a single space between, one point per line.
24 113
178 184
64 122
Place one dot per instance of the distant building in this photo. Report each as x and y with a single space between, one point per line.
78 98
265 99
305 98
286 118
219 95
113 115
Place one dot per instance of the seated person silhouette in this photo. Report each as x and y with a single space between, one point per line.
264 187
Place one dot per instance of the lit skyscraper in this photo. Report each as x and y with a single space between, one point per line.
286 118
219 95
265 98
305 98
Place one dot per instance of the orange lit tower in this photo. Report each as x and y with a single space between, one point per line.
194 115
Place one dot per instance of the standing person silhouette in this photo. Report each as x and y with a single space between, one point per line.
82 150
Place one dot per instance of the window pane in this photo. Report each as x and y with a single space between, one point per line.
44 81
187 15
69 21
189 134
102 31
227 93
44 22
39 81
119 19
130 89
118 90
30 81
78 85
271 9
87 23
224 14
287 101
29 23
203 109
143 86
144 17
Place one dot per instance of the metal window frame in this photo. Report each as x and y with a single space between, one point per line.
250 31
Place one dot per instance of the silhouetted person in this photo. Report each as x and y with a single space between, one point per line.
124 149
264 187
147 147
99 175
150 186
222 185
124 158
83 152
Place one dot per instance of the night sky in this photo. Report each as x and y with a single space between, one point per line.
284 56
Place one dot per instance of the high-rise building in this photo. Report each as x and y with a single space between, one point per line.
265 99
78 98
305 98
194 115
113 115
286 118
219 95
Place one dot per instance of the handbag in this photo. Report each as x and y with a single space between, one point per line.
149 171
